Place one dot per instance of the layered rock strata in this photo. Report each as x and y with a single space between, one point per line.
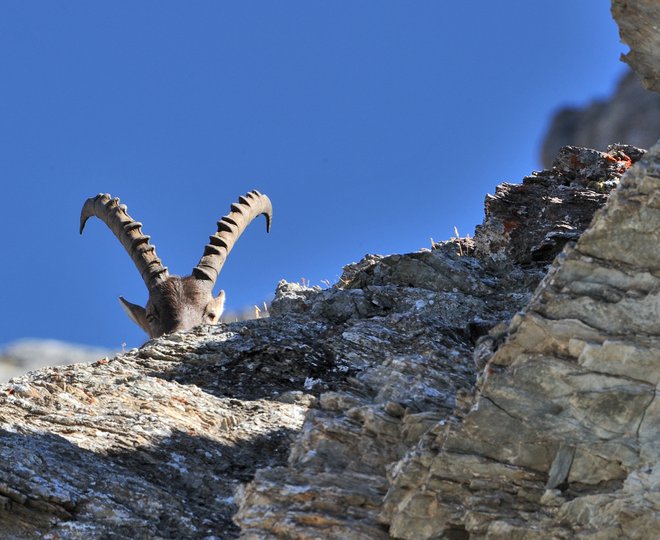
353 412
338 468
562 438
515 460
331 418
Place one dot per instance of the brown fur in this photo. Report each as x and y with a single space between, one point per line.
177 304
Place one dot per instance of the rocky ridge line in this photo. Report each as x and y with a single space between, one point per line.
561 440
420 502
305 415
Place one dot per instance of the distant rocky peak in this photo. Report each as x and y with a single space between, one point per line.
630 116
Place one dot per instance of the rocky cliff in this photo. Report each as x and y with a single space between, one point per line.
363 411
501 386
638 27
561 438
557 437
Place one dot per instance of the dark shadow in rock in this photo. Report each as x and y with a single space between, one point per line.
181 487
260 363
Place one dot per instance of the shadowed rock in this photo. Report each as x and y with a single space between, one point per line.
358 411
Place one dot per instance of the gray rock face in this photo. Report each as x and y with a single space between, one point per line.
359 412
630 116
150 444
638 27
154 442
562 438
403 326
533 221
362 411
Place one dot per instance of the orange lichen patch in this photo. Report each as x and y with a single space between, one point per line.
620 159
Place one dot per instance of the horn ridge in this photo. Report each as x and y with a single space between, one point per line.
129 233
230 228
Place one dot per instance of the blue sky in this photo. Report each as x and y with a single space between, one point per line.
372 125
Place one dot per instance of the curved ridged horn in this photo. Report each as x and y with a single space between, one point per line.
230 227
129 233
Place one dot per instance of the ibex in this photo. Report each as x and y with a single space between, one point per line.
176 303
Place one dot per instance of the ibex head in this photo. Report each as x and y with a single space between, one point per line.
176 303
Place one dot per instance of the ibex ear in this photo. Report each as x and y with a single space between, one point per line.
137 314
215 308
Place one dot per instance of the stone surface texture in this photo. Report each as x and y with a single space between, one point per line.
533 221
562 437
630 116
639 22
365 410
479 390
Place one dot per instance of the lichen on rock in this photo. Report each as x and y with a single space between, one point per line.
467 389
569 401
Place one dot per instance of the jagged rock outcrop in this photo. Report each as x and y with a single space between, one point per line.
404 326
562 439
153 442
534 220
638 27
321 420
464 392
336 494
630 116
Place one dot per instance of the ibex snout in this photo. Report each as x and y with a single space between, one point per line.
177 303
